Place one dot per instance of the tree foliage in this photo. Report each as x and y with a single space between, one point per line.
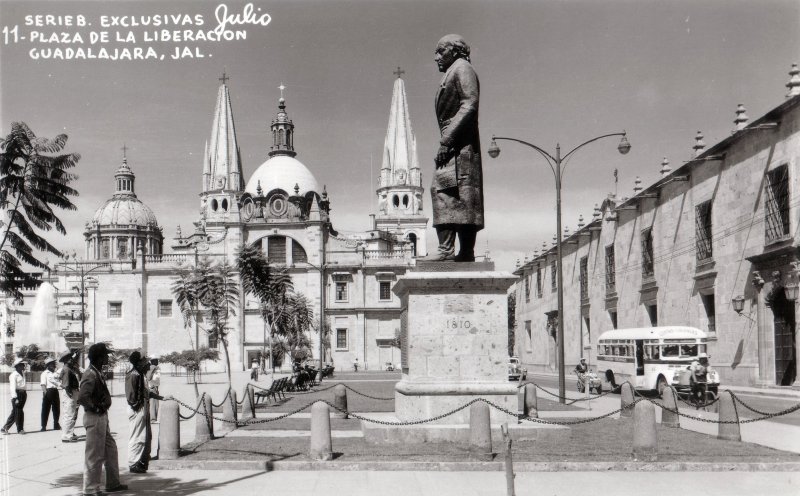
209 289
33 182
286 313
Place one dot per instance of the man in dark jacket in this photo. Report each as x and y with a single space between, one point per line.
101 449
457 189
138 395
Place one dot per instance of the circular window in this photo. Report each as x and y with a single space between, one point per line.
248 210
214 205
225 205
278 206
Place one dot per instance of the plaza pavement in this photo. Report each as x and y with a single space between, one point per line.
38 463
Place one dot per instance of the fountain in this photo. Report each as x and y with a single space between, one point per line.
42 327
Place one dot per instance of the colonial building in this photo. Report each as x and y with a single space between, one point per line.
712 244
121 291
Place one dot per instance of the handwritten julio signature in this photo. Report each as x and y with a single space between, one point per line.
249 15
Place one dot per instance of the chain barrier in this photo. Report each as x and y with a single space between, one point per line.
568 401
314 391
194 410
366 395
227 394
637 398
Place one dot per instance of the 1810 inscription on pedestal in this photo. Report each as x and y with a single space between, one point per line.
454 342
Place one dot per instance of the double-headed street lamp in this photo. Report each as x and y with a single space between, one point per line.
82 270
555 164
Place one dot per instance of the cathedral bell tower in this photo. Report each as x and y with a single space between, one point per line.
222 165
399 188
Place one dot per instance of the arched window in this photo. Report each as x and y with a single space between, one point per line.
224 205
281 137
214 205
298 253
396 201
413 239
405 200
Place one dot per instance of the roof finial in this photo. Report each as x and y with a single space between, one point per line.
596 215
581 223
665 168
399 72
281 87
794 82
125 153
699 144
544 247
224 77
637 185
741 118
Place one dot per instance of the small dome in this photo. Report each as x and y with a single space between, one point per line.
282 172
124 210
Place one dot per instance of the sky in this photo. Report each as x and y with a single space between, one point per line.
551 72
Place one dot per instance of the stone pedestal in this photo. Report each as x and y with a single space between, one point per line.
454 343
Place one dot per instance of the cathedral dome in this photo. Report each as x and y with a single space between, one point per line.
124 210
282 172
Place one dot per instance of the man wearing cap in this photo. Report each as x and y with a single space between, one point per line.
50 400
16 382
70 379
101 449
138 396
699 378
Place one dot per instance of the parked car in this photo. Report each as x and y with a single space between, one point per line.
515 370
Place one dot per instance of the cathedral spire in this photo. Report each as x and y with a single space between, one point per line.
400 164
282 130
124 178
222 168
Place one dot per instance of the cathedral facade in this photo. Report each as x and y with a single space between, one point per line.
120 291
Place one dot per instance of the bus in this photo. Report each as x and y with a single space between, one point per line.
652 358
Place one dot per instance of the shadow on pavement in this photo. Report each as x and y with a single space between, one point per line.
155 484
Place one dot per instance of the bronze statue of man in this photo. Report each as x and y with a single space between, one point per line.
457 189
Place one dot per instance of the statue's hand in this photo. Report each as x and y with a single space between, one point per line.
442 156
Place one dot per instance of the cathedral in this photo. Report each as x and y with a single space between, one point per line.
120 291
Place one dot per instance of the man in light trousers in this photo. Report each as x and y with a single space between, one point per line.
70 379
101 449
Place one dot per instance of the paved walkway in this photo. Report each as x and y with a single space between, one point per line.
38 463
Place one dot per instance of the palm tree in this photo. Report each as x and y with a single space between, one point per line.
31 185
285 313
212 289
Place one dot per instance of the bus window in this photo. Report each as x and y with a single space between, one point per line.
688 350
670 350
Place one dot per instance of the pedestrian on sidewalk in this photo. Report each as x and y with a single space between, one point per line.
16 383
50 398
154 383
254 370
101 449
70 379
138 395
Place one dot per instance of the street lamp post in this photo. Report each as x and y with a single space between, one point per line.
555 163
81 271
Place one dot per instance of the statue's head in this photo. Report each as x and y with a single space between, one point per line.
449 49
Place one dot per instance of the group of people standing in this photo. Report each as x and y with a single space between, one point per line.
87 388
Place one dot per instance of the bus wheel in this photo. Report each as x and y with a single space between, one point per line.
661 385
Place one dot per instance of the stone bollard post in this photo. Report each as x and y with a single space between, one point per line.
340 401
728 413
670 418
169 430
520 404
480 431
204 426
645 441
229 412
626 398
320 432
248 408
531 405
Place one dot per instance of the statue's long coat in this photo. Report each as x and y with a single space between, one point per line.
457 113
